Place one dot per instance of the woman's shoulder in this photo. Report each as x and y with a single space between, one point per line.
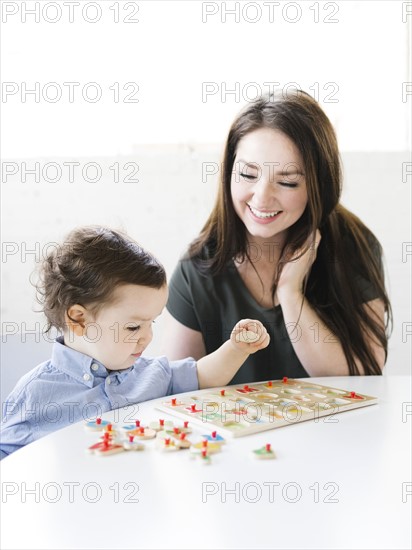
197 262
358 257
189 276
193 293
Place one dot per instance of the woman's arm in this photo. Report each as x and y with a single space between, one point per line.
179 341
317 348
319 351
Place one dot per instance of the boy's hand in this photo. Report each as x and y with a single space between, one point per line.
219 367
249 336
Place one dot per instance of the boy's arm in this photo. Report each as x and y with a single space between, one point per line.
17 427
219 367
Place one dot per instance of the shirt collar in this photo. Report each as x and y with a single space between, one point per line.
76 364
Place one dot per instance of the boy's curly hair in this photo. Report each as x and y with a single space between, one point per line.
87 268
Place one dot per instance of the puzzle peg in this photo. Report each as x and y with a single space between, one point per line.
180 441
96 425
264 452
201 446
132 445
186 428
193 408
214 438
205 458
353 395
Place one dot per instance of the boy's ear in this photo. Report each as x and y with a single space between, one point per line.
75 318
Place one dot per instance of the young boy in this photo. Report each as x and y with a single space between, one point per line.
103 292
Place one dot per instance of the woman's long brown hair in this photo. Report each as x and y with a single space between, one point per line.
348 250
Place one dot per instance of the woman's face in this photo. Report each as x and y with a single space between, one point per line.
268 184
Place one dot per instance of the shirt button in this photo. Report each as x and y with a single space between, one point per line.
86 377
95 366
109 380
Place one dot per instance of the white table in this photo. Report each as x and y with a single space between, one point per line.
343 484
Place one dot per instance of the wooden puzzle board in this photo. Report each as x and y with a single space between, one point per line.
240 410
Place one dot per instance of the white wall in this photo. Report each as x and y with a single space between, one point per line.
358 67
354 59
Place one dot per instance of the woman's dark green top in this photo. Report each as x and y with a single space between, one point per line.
214 304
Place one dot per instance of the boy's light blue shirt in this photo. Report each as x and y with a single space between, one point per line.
72 386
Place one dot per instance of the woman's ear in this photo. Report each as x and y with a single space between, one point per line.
75 319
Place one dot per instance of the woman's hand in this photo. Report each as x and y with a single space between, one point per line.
249 336
294 272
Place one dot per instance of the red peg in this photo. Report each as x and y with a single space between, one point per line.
161 422
285 380
222 392
182 436
131 437
246 388
137 423
185 423
353 395
109 427
167 441
141 429
98 421
193 407
176 430
270 384
174 401
268 447
204 453
214 434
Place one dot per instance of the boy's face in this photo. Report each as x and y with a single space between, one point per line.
121 331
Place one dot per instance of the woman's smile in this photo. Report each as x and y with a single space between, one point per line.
263 215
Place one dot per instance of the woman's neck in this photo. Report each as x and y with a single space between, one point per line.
265 251
258 269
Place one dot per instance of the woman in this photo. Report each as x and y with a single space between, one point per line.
279 247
